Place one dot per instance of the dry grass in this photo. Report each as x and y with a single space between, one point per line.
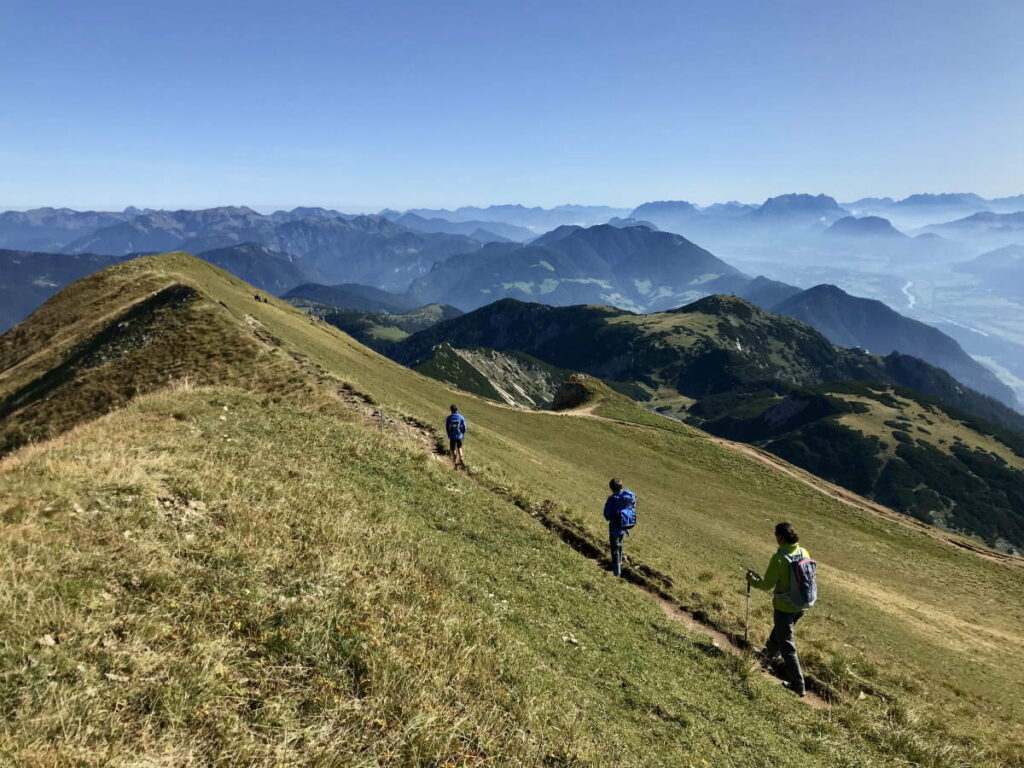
208 578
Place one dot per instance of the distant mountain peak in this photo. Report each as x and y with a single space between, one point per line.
942 198
664 206
798 204
864 226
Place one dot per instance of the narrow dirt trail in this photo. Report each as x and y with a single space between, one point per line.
724 643
642 578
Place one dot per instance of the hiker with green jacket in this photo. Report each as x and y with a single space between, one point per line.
791 577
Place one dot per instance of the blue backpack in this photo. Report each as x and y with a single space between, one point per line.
627 509
455 426
803 579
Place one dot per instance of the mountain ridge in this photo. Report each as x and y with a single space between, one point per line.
850 321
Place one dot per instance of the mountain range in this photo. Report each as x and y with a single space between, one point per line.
783 214
928 208
1000 271
850 321
485 231
986 227
364 249
50 229
536 219
631 267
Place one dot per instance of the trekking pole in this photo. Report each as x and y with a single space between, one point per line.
746 621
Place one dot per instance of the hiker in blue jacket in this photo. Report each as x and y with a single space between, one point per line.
620 512
455 426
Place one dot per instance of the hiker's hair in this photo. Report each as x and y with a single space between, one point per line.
454 408
787 533
615 485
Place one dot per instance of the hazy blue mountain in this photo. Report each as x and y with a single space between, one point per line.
1007 204
536 219
28 279
364 298
671 215
923 209
864 227
943 200
685 218
367 249
485 231
261 267
1001 270
765 292
798 209
364 249
311 212
995 263
631 267
618 221
984 222
50 229
868 204
728 209
169 230
851 321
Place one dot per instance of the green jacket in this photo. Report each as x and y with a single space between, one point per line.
776 578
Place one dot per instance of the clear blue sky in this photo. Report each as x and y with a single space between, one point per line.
394 103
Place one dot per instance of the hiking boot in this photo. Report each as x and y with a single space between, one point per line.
793 689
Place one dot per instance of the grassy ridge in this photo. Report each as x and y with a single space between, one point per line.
290 588
901 613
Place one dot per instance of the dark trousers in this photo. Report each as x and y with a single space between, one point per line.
780 641
615 537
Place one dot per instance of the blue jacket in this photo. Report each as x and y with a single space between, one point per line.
624 499
455 426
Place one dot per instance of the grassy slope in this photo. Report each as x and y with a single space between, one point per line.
899 606
209 578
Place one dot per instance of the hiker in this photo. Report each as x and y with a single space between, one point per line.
620 512
791 576
455 426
